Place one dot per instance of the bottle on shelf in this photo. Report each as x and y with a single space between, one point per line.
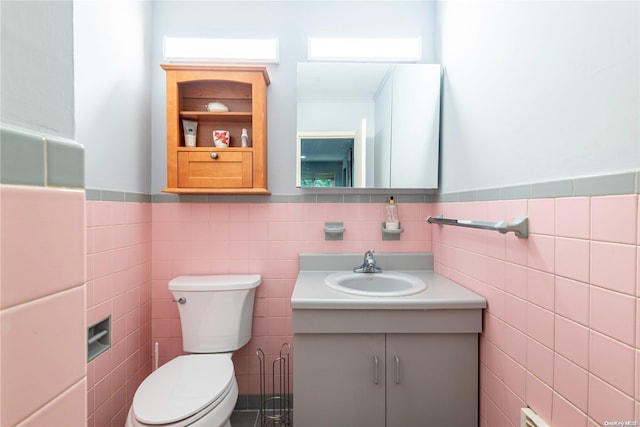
244 138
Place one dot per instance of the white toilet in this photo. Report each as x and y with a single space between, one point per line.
200 389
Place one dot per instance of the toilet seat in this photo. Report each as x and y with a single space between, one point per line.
184 389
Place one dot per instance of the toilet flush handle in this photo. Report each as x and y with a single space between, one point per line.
180 300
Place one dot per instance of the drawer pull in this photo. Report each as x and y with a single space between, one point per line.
214 155
376 363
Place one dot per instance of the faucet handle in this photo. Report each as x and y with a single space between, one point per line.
368 264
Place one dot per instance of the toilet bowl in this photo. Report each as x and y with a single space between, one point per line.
200 389
193 390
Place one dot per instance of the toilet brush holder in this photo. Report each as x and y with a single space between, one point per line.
275 399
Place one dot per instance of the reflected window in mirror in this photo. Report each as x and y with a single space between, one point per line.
326 162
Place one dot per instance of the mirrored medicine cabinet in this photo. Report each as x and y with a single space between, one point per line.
368 125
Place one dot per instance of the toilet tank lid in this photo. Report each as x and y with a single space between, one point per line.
228 282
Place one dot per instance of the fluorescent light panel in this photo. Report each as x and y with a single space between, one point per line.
364 49
221 50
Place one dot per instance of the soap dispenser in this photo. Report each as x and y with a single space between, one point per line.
391 221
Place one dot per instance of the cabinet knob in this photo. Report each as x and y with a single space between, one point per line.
214 155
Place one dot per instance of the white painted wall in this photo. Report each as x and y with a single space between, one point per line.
112 93
533 91
36 67
538 91
292 22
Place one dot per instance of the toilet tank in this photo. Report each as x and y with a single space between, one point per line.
217 311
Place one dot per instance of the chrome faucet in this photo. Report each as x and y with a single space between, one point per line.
368 264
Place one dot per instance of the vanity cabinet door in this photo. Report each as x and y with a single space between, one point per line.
432 380
339 380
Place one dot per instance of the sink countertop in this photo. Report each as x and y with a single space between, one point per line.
311 292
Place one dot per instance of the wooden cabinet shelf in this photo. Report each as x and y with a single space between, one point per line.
216 117
206 169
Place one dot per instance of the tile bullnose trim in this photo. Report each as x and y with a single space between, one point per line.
96 195
597 185
31 157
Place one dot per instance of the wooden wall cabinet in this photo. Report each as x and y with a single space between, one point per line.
206 169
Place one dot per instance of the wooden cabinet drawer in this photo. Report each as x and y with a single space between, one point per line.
229 169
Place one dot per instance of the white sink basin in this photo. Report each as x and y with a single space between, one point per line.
386 284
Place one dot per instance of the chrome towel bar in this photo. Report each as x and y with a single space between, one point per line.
520 226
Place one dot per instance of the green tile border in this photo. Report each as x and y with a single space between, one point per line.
602 185
545 190
22 157
29 157
93 194
623 183
65 163
138 197
294 198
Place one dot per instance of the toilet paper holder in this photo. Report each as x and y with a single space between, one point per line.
98 338
275 407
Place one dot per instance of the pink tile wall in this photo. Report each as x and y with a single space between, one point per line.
264 238
118 284
43 351
562 327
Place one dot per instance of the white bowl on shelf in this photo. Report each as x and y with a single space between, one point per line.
215 107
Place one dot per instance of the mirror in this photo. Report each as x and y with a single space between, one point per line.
368 125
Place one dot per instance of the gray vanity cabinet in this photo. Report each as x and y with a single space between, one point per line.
392 379
373 361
